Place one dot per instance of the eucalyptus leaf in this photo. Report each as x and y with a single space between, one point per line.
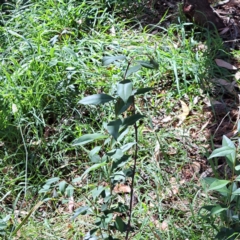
227 142
132 119
142 90
121 106
52 180
106 60
147 64
81 210
217 209
62 186
127 146
124 90
113 128
96 99
133 70
97 191
87 138
120 225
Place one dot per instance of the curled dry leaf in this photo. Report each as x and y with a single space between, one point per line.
224 64
184 114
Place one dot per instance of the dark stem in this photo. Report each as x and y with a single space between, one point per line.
133 175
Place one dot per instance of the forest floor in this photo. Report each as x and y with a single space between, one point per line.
51 57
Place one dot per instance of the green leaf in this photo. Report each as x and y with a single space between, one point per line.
147 64
87 138
52 180
109 59
227 142
238 126
127 146
92 168
237 168
142 90
119 176
236 192
222 152
237 178
121 106
115 153
96 99
133 70
120 225
113 128
120 162
154 63
124 90
81 210
62 186
217 209
97 191
132 119
69 190
217 184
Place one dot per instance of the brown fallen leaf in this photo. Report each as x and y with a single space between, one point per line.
120 188
184 114
224 64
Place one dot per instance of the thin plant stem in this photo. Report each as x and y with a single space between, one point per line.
133 175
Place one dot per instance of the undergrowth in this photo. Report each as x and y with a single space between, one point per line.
51 57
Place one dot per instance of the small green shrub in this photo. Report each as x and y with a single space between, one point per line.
228 193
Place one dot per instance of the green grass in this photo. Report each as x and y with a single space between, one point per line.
51 56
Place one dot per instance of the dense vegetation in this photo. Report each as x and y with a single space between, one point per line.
52 54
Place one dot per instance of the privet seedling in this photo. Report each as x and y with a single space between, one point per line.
228 204
113 217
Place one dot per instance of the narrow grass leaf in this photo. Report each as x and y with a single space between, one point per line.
87 138
96 99
124 90
109 59
217 184
133 70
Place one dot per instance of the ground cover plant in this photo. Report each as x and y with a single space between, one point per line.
52 57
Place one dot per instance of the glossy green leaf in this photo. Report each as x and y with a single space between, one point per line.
87 138
96 99
110 59
124 90
217 184
113 128
132 119
133 70
237 168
